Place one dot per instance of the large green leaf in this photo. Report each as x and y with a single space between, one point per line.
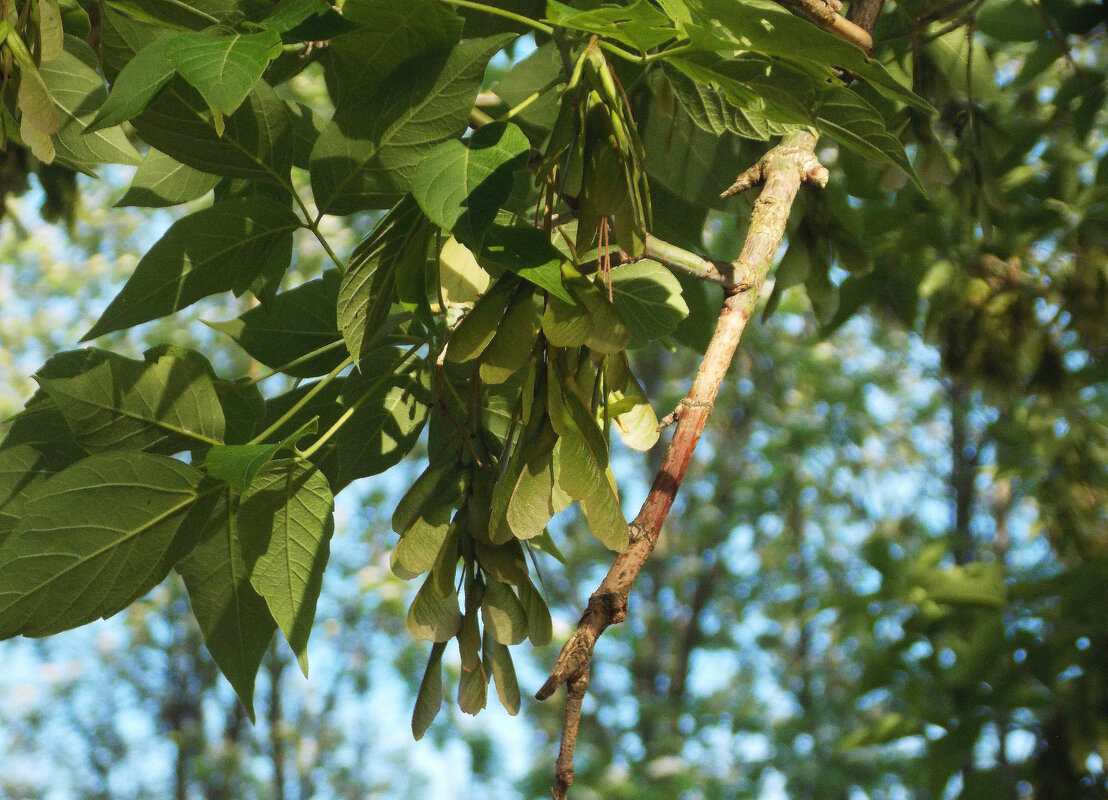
223 68
219 249
233 618
367 156
648 298
389 33
290 13
255 142
286 521
192 14
526 251
639 25
767 28
93 539
78 91
134 87
289 333
846 117
398 244
462 183
161 181
22 469
165 404
711 111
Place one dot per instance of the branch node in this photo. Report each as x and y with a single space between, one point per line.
751 177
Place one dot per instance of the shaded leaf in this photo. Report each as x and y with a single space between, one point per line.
219 249
648 298
165 404
286 521
93 539
289 333
461 184
368 155
161 181
233 618
222 68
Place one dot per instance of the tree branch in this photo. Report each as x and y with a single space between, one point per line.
825 13
781 171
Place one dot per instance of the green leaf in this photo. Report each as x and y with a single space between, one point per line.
290 13
461 184
637 426
368 155
223 68
237 464
255 142
79 90
528 252
233 618
22 469
594 321
850 120
648 297
161 181
140 79
165 404
433 618
503 614
243 408
286 521
219 249
767 28
391 409
93 539
289 333
389 33
1010 21
368 289
504 677
639 25
429 700
711 110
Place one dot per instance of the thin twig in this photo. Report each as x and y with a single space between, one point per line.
782 171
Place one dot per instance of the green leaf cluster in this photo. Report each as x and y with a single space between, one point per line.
483 303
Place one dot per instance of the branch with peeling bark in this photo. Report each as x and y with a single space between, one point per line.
781 172
825 13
